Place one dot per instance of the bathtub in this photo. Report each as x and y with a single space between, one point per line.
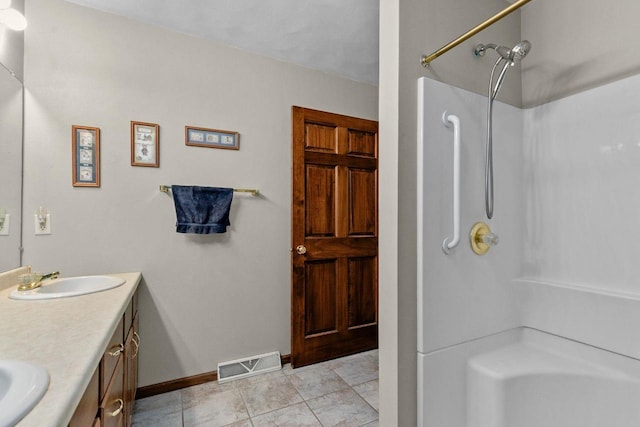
527 378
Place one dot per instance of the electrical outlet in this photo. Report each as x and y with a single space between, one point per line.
4 230
46 229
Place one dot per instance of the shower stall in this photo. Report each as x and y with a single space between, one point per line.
498 345
541 329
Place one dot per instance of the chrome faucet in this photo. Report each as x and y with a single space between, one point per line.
37 280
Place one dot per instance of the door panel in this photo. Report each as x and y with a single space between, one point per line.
362 203
321 138
362 143
320 297
324 248
334 294
320 193
363 291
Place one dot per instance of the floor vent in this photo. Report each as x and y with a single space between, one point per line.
254 365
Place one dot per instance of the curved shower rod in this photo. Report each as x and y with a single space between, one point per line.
426 59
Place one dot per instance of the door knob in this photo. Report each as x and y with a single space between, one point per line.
301 250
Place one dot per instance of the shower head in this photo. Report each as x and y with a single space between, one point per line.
512 55
520 50
509 55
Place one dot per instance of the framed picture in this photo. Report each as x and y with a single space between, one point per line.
86 156
145 144
211 138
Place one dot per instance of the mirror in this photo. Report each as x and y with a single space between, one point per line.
11 100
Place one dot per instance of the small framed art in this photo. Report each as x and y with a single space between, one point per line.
86 156
145 144
211 138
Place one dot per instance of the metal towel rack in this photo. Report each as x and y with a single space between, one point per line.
252 191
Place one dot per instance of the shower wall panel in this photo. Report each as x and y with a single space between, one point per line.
582 201
463 296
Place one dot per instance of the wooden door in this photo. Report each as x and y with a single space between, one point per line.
334 294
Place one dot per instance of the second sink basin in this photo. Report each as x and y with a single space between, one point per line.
69 287
22 385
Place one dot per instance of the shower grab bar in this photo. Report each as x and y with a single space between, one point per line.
425 60
450 120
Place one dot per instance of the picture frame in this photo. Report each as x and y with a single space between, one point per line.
211 138
85 156
145 144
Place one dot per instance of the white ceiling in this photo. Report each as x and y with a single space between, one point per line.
335 36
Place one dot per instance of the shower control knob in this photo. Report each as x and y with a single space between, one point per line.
301 249
481 238
490 239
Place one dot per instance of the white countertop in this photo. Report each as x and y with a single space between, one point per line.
67 336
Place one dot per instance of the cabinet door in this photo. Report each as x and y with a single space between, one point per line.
88 407
111 357
131 370
134 371
130 312
112 407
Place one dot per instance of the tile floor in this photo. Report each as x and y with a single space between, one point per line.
341 392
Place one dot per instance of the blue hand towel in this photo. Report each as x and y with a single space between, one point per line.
202 210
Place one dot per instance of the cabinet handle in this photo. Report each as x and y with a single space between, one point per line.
137 348
117 411
116 350
136 336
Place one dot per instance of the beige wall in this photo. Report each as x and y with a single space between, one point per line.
578 45
205 299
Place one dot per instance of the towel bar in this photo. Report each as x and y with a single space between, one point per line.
252 191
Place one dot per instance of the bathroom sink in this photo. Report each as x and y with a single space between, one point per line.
69 287
22 385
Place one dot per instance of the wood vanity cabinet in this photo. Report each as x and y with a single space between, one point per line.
132 345
112 404
109 399
87 409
